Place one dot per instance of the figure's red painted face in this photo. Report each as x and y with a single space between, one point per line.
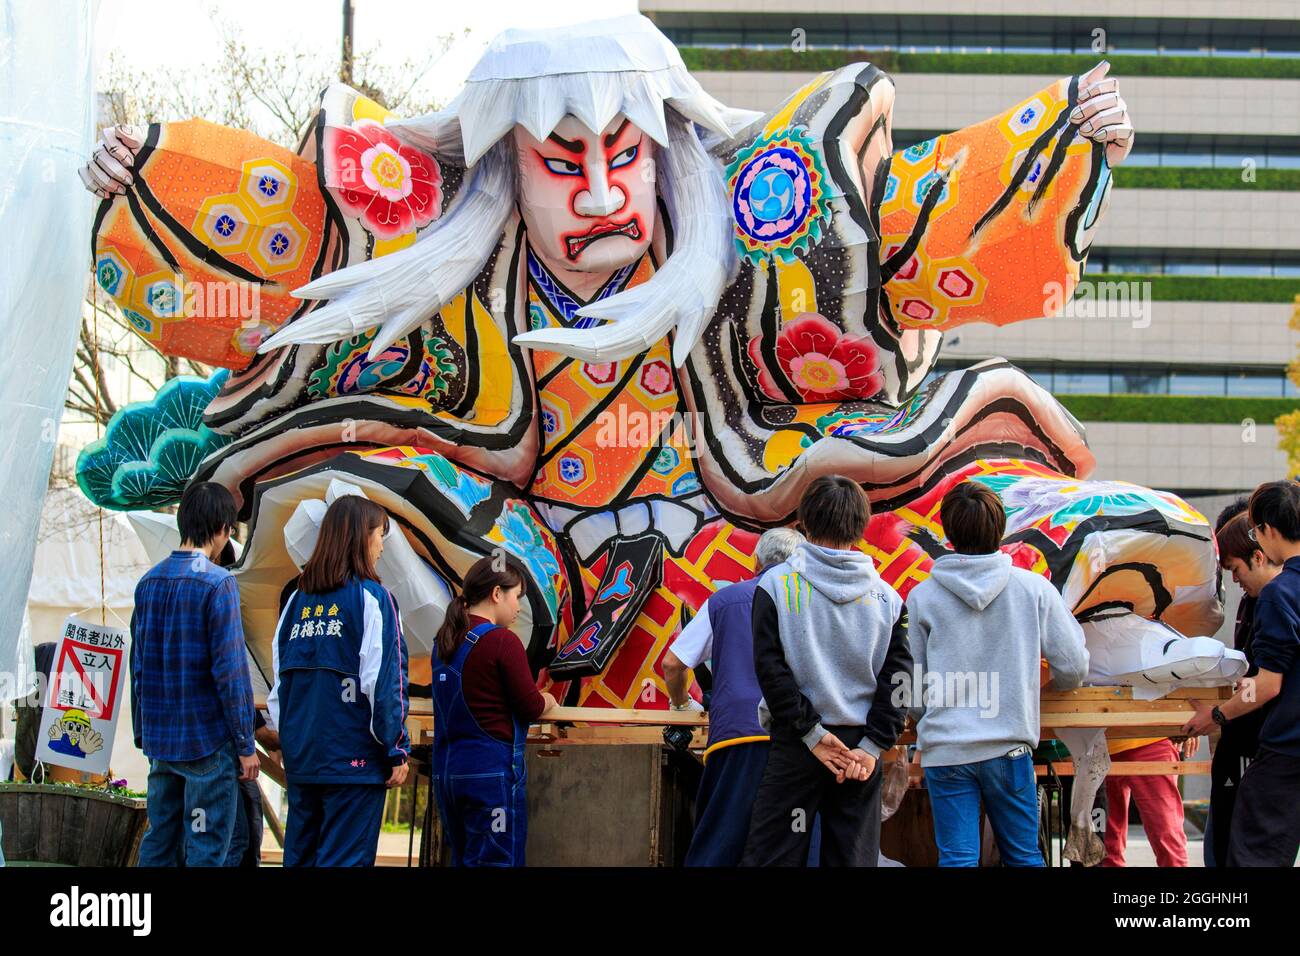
588 199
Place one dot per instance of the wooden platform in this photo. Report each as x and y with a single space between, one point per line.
1112 709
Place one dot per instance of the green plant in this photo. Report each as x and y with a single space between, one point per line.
1177 409
1058 64
1166 288
1184 177
1288 425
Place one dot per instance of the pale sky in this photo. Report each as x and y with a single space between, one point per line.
173 32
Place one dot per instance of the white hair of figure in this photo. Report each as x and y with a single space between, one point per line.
534 78
776 545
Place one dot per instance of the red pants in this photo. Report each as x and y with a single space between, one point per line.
1159 804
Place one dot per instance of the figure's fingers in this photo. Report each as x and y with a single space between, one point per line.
1117 133
1108 85
1095 74
129 138
90 184
1094 106
1097 127
118 151
102 179
107 165
114 166
1120 133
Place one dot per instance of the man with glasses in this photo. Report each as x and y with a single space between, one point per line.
1266 819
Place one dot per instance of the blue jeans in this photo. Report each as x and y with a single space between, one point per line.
246 838
192 807
1010 795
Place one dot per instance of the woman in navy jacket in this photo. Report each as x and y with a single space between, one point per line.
340 694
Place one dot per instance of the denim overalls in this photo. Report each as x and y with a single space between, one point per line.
478 780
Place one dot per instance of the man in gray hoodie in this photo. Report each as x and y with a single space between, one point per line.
979 629
830 640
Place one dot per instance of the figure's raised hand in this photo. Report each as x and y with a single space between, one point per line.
1102 115
109 171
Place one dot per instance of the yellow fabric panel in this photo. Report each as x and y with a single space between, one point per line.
782 119
1118 745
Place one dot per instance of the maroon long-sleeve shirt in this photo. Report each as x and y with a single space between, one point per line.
498 684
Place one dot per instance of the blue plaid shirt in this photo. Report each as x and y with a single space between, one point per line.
190 689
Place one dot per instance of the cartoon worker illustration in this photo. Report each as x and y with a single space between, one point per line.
73 735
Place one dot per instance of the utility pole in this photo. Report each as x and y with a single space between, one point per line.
345 69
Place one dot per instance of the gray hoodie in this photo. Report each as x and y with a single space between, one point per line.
830 639
978 629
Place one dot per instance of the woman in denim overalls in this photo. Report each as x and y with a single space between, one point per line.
478 776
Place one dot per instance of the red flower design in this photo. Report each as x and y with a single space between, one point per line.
821 362
393 188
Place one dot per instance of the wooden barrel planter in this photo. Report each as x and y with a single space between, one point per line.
70 826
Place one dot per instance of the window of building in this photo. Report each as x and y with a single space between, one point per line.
996 33
1182 151
1197 383
1195 262
1113 378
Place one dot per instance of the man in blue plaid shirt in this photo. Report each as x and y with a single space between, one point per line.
191 696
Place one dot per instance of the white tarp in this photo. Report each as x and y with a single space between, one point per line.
46 123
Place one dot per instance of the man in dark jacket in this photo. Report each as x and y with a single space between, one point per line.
1266 816
1239 739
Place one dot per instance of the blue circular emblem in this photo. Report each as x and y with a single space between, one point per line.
773 195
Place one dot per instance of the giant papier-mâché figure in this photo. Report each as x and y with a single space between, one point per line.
590 316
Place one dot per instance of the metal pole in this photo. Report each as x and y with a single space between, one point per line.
345 69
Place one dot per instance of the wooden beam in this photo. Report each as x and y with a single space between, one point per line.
269 766
609 715
1104 719
1125 733
1131 768
1135 768
1126 693
271 817
1111 709
611 735
1117 707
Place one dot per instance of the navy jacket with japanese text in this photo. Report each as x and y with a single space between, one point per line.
340 695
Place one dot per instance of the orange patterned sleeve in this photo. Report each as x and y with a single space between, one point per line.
202 253
992 223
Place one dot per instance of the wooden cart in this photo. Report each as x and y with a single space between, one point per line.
645 825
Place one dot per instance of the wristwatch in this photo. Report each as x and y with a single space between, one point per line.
1218 716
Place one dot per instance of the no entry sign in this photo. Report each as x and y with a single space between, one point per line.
80 717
